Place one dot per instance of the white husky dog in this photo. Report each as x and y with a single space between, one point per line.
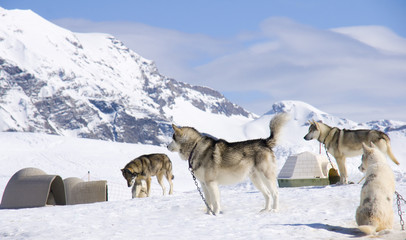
375 212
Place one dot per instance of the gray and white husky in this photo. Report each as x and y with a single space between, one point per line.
218 162
343 143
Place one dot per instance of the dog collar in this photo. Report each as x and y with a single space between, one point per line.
330 134
190 157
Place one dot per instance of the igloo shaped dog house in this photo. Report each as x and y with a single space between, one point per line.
305 169
79 191
32 187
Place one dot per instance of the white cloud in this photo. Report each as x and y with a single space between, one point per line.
322 67
174 52
350 72
376 36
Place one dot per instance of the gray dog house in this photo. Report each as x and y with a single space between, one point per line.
32 187
79 191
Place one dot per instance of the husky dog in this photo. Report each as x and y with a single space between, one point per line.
217 162
343 143
375 212
139 189
145 166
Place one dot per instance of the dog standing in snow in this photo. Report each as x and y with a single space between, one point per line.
375 212
218 162
143 168
343 143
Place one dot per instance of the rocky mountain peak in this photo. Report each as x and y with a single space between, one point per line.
88 85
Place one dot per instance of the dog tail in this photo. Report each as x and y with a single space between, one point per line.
367 229
389 149
276 124
169 169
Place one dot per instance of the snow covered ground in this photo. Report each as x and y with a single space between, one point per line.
305 212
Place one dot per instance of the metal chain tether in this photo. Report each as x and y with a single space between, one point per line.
398 199
200 191
196 183
328 156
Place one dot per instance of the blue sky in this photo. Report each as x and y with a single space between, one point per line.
224 17
345 57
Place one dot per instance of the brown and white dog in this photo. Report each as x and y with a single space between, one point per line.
143 168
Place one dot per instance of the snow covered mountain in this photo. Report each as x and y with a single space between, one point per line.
90 85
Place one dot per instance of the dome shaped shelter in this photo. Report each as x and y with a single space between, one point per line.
79 191
306 169
32 187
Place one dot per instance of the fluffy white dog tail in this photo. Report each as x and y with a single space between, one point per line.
367 229
276 124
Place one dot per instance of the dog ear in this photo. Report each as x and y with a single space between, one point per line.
366 148
175 128
126 170
317 125
373 145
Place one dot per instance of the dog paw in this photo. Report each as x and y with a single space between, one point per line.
208 212
265 210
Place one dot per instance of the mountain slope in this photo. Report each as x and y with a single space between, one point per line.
88 85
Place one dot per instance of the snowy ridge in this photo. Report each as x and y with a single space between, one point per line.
88 85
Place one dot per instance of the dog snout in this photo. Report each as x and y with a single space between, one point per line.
170 147
130 182
306 137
